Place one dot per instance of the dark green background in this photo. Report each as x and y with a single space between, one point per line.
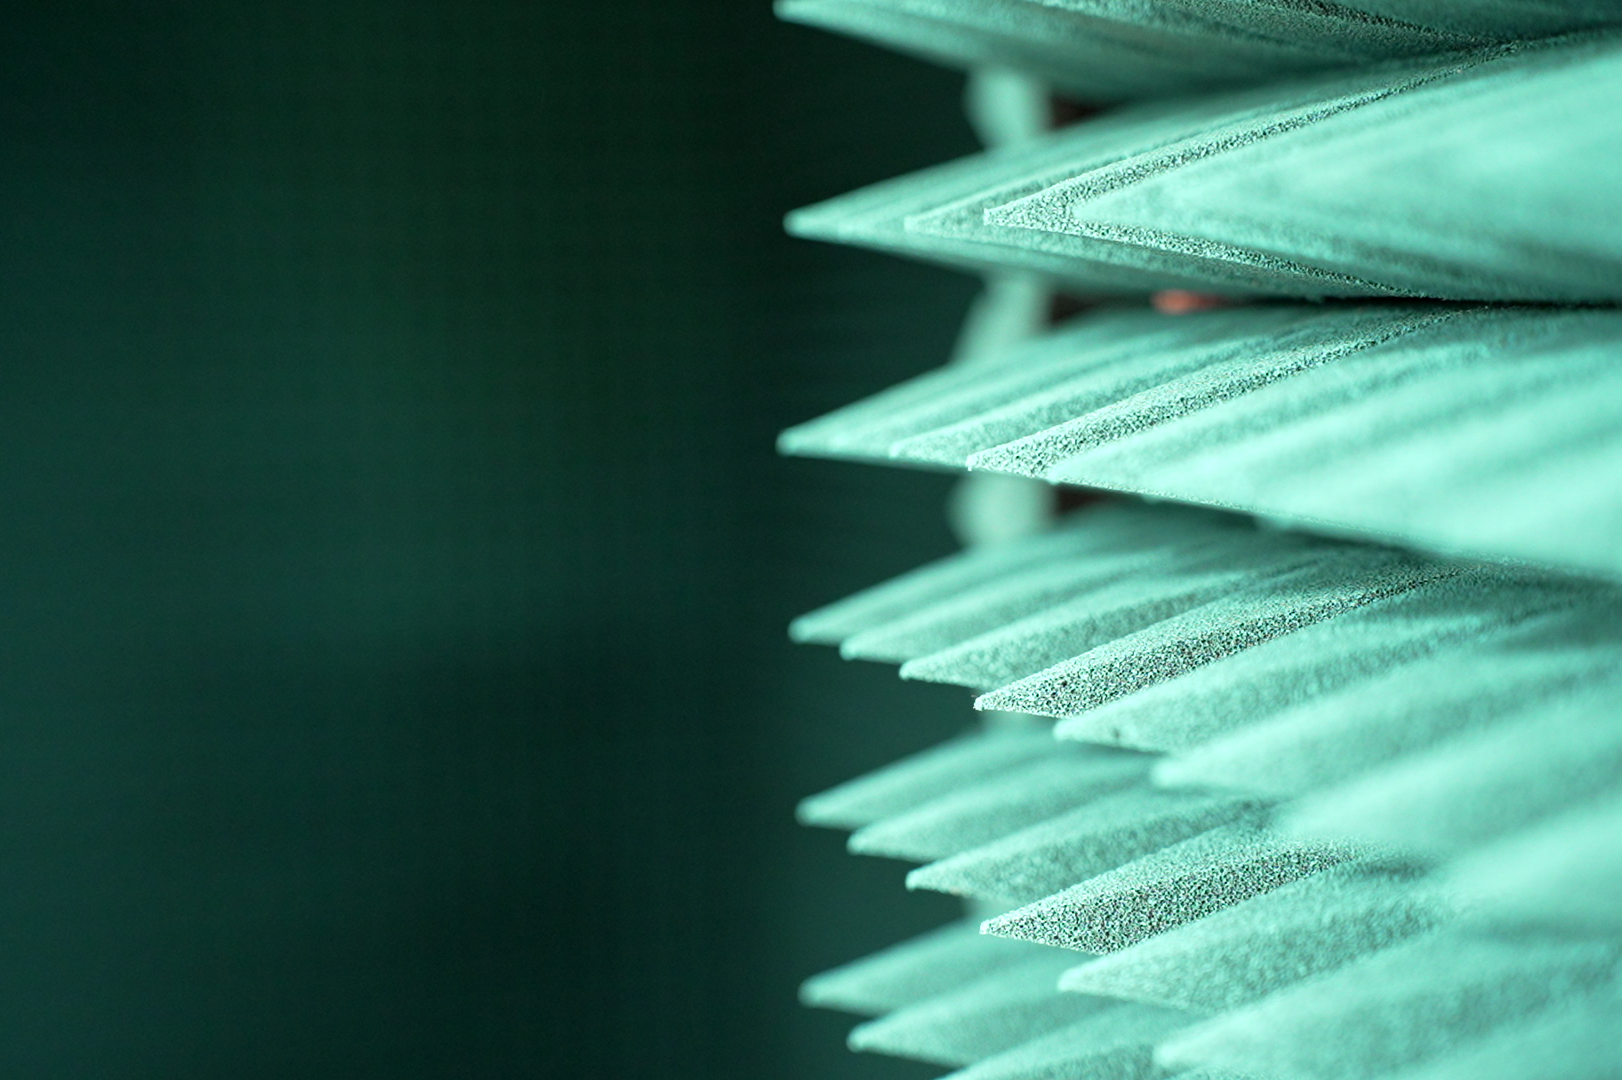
393 559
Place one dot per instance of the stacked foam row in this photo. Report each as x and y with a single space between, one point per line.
1310 766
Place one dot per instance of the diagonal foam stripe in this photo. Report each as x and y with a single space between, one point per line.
1109 51
868 428
1396 1008
1564 874
1108 591
1503 19
978 610
1051 221
1335 737
1103 530
1572 1042
1212 631
987 1016
1116 1043
1465 612
923 967
1419 437
1423 460
1465 357
1473 789
1284 356
1243 953
1356 193
1102 835
1173 886
926 775
940 214
978 813
1099 378
1026 646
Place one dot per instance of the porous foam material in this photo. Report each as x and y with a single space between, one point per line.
927 966
978 813
1199 891
1244 952
1168 888
1107 50
1495 190
1098 836
987 1016
1363 812
928 774
1407 424
1116 1043
1491 185
1396 1008
1480 786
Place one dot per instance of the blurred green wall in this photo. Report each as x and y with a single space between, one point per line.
393 559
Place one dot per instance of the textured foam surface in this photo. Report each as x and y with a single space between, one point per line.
1480 786
1524 160
940 214
928 774
1173 886
1462 613
1214 630
1500 18
1371 824
977 813
1386 422
1103 50
1024 646
1242 953
1395 1008
1300 190
1576 1041
1116 1043
1103 834
991 1014
1338 735
912 971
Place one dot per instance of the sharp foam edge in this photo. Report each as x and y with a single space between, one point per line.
869 428
995 1012
976 611
1103 379
1116 1043
1242 953
928 774
1237 369
1505 19
1387 423
978 813
1236 691
1396 1008
1062 851
941 214
927 966
1383 841
1343 195
1332 738
1175 885
1109 51
1028 645
1108 529
1212 631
